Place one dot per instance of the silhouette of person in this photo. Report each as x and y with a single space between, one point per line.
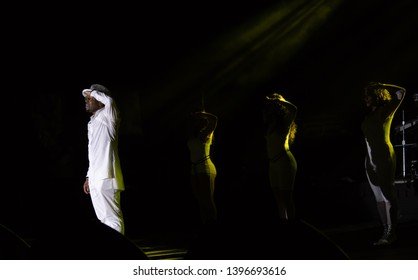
279 132
382 102
203 171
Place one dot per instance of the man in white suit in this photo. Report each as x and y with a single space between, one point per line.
104 180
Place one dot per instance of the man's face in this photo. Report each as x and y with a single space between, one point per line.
92 105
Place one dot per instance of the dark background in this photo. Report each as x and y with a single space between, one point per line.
159 59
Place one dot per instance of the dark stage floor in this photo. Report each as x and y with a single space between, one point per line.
356 240
349 242
253 238
294 241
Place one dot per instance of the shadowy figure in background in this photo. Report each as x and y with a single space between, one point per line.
104 181
203 172
382 102
279 131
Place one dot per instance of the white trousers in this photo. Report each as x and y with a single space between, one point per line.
106 203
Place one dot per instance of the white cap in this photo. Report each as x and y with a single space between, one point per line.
96 87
